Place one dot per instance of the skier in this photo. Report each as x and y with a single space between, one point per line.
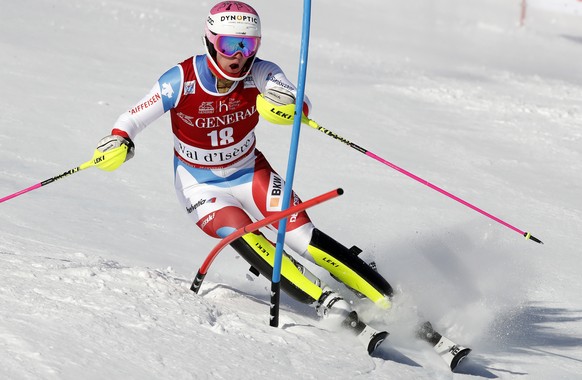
222 180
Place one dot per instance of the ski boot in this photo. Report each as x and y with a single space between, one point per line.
368 336
333 307
448 350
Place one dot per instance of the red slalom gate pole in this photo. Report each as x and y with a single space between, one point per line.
255 226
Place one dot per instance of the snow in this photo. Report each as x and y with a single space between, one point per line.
95 269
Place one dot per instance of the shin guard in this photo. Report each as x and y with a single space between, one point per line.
259 252
348 268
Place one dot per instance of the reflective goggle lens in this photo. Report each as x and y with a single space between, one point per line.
230 45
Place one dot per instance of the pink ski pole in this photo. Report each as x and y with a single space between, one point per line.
107 161
314 125
46 182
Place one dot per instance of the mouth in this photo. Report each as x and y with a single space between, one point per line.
234 66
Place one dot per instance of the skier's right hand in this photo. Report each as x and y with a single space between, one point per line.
115 141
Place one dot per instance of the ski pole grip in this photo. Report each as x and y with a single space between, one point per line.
197 282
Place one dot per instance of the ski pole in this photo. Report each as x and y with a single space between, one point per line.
107 161
255 226
314 125
285 115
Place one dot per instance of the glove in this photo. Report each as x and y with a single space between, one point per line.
115 141
279 96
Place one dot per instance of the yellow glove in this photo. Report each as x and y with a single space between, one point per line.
112 151
276 114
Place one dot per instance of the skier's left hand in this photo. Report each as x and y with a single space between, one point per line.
279 96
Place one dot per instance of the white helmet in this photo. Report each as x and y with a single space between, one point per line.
233 19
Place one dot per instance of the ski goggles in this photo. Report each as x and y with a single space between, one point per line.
230 45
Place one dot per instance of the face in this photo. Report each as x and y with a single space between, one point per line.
233 65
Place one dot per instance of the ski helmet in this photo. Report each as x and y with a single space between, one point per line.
228 19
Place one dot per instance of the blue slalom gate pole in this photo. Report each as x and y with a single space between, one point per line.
276 278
